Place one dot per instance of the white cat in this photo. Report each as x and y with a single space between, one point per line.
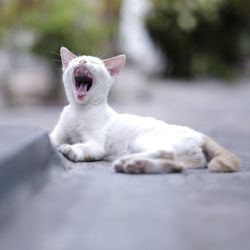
90 130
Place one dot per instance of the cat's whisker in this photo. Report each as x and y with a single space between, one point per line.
55 60
54 52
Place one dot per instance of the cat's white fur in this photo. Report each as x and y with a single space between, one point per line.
90 130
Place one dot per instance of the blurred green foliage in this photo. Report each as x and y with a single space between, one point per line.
85 27
201 37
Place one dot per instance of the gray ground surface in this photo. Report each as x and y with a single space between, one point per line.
91 207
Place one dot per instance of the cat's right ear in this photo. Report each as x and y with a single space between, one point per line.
66 57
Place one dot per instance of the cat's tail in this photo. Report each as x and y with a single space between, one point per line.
219 158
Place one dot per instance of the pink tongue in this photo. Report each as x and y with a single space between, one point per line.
82 90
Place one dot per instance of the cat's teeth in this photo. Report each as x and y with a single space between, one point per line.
88 73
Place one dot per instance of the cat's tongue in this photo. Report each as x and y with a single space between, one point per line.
82 90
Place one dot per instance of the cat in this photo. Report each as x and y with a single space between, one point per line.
90 130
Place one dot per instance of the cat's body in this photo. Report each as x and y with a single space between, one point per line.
89 129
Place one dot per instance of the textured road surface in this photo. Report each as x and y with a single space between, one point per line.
91 207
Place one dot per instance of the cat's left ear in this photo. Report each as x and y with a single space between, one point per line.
115 64
66 57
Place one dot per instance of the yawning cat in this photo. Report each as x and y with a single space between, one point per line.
90 130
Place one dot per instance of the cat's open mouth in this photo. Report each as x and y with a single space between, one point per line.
83 81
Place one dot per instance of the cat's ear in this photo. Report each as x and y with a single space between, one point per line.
115 64
66 57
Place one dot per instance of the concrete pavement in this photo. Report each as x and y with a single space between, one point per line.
91 207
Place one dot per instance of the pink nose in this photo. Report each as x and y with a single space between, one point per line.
83 61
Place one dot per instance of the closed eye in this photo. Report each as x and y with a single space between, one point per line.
94 62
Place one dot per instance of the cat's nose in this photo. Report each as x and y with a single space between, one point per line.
83 61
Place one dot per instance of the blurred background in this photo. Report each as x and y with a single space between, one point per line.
188 63
174 48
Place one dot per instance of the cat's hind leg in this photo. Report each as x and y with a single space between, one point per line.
158 161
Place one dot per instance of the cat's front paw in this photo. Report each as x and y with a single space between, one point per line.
72 152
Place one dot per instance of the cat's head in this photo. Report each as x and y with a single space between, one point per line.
88 78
